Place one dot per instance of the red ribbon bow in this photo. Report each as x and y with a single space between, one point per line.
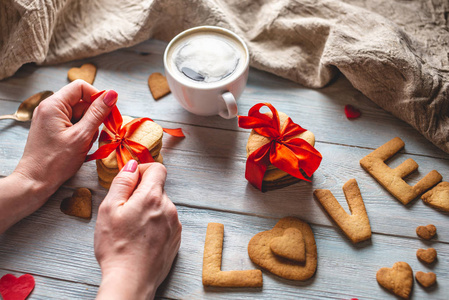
126 149
283 151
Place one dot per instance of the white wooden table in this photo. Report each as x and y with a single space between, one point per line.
206 182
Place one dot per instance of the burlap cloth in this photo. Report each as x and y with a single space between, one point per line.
394 51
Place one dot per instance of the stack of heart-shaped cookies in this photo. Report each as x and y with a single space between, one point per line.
149 134
275 178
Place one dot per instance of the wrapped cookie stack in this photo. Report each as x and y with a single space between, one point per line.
148 134
126 138
279 151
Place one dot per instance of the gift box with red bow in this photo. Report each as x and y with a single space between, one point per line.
279 151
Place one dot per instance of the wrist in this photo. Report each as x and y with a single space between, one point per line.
123 284
21 197
39 185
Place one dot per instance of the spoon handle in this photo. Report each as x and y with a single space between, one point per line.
8 117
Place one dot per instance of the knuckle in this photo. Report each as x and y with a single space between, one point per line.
160 168
96 113
104 209
172 214
121 181
43 109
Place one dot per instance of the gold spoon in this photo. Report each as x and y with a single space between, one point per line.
25 111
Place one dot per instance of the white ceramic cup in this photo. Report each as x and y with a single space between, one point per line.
207 99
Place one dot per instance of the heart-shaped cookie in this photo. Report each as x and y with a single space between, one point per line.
13 288
260 253
158 85
426 232
398 279
86 72
426 279
79 205
438 197
427 255
290 245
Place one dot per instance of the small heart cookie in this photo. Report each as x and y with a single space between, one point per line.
398 279
290 245
12 287
426 232
428 256
426 279
79 205
158 85
86 72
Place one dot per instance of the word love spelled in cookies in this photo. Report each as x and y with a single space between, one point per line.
391 179
212 273
260 250
355 226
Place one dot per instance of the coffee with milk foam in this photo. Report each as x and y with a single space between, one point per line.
206 57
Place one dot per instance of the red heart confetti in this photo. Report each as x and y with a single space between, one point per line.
351 112
13 288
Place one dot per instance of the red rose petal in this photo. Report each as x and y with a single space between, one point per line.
351 112
12 288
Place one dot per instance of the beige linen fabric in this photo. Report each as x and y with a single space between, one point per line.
394 51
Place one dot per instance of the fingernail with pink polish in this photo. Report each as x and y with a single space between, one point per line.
110 98
130 166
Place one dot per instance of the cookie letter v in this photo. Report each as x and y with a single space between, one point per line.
355 226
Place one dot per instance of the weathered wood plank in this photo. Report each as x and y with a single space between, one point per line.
54 288
320 111
54 245
206 169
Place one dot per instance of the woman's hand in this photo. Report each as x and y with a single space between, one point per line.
137 234
63 128
62 131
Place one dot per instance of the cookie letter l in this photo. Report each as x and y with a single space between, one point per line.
212 274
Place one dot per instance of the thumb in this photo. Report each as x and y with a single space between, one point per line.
124 183
98 110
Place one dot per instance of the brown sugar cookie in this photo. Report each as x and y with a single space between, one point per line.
356 225
398 279
426 255
212 274
426 279
290 245
158 85
438 197
79 205
391 179
86 72
426 232
260 252
275 178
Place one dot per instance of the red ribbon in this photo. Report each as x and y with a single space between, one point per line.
283 151
119 141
